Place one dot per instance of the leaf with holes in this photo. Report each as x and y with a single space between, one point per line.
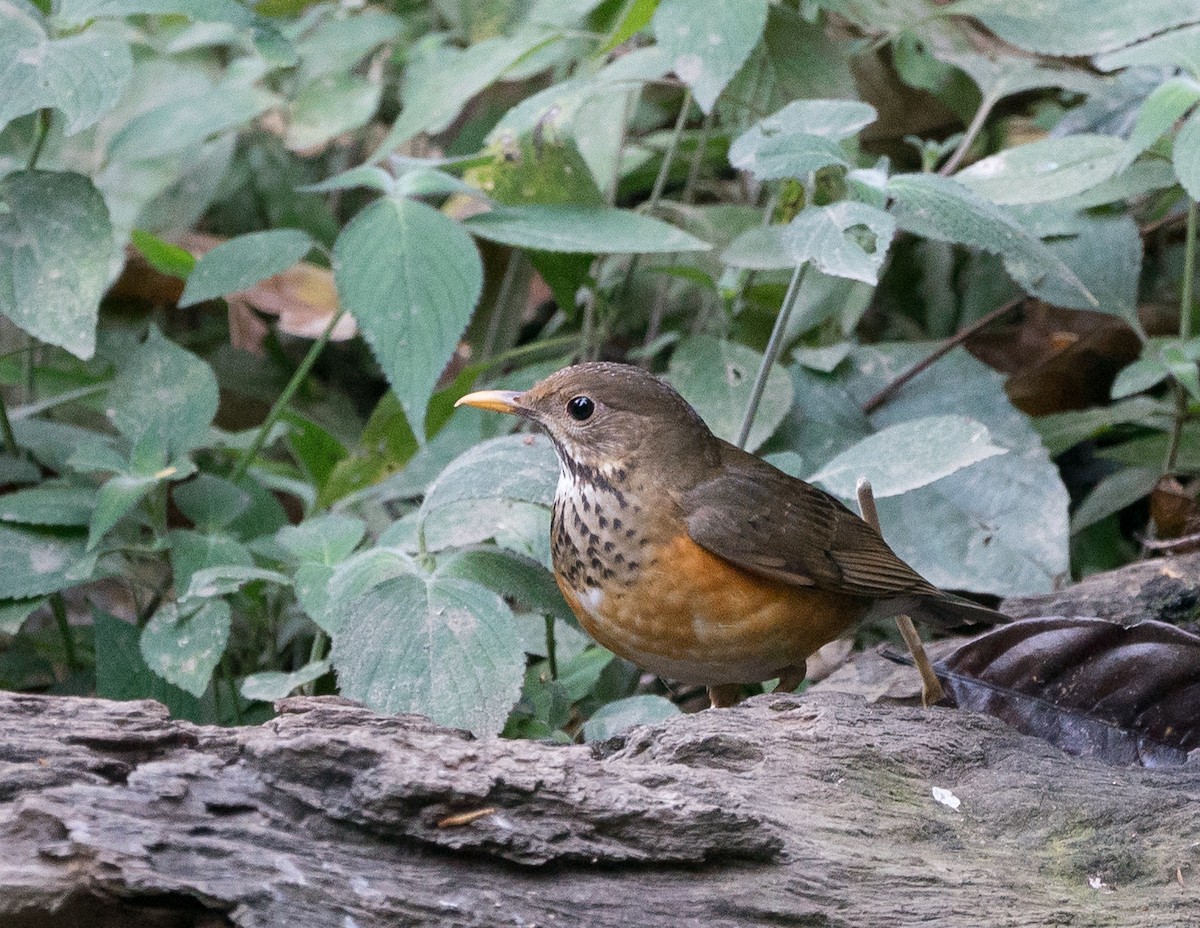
827 237
717 378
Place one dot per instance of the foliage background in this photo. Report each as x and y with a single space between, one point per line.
249 257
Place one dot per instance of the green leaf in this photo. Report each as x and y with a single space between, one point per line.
708 42
340 42
825 236
1161 110
634 18
1048 169
210 502
440 646
1135 181
174 126
801 138
581 230
624 714
345 583
1186 155
192 552
1064 430
14 612
512 575
229 11
271 685
946 211
49 505
328 107
83 75
184 645
224 579
1112 494
365 175
328 539
121 671
1077 27
56 244
999 526
411 277
908 455
438 85
1179 48
717 377
162 256
242 262
33 563
760 249
521 468
119 494
165 394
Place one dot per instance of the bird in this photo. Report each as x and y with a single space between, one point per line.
693 558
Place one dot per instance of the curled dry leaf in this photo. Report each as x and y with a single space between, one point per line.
1125 694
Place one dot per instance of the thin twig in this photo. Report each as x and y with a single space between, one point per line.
931 686
774 346
1185 332
940 352
968 139
264 430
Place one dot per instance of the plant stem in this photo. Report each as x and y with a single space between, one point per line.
264 430
10 438
58 606
940 352
689 186
551 648
968 139
1185 332
500 307
39 140
774 346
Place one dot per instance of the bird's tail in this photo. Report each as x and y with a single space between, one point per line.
944 609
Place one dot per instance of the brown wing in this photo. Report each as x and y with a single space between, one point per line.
778 526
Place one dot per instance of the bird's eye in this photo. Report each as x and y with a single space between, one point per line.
581 408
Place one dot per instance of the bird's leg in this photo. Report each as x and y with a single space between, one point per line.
724 695
790 678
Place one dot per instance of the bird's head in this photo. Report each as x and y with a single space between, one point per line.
609 417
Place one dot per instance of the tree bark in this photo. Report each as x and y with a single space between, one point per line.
817 809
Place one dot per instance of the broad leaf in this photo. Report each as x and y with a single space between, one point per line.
56 244
330 106
33 563
801 138
83 75
327 600
581 230
717 377
1113 493
49 505
184 645
1162 109
327 539
163 394
521 468
244 261
520 579
827 237
411 277
1186 157
229 578
1123 694
121 671
1179 48
271 685
119 494
944 210
192 552
211 502
440 646
1049 169
177 124
908 455
708 42
1077 27
14 612
617 717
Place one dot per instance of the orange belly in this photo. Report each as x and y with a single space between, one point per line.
694 617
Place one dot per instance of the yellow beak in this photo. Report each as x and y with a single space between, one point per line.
495 400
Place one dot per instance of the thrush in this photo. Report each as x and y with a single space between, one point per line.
693 558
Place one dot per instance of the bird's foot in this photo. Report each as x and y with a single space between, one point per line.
724 695
790 678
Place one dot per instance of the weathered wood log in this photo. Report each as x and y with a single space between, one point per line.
798 810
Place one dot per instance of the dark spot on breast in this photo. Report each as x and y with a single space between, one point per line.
630 532
595 563
619 559
603 521
634 565
608 546
587 507
616 525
